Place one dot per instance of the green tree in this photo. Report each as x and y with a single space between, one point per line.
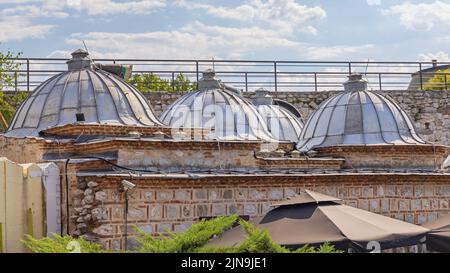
8 75
192 240
149 82
440 81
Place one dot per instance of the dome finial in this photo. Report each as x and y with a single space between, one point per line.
80 60
262 97
355 82
209 80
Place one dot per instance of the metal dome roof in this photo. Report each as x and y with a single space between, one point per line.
281 122
81 95
357 117
220 108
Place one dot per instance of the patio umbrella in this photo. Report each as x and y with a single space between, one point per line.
312 218
438 239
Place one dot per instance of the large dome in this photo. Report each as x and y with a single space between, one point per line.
84 95
357 117
218 108
281 122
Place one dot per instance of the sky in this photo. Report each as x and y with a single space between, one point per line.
347 30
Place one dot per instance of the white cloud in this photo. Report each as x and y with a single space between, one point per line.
422 16
333 52
108 7
15 28
283 15
200 41
440 56
62 8
373 2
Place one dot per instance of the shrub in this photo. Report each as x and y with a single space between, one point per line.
440 81
193 240
148 82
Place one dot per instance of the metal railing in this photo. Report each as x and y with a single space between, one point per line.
273 75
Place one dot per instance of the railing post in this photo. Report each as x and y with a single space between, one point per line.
379 81
349 68
275 76
420 75
246 82
173 81
315 82
28 75
15 82
196 69
445 81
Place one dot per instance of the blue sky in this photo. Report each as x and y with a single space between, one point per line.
379 30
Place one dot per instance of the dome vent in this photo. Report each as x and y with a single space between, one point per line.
220 110
281 122
358 117
82 95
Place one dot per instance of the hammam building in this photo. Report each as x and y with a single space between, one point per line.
215 152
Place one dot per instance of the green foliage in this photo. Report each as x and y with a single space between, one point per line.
8 70
59 244
192 240
8 75
150 82
259 241
440 81
188 241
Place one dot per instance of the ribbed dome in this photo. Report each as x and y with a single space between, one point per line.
357 117
220 108
281 122
101 97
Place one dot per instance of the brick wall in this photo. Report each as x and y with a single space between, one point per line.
429 110
158 204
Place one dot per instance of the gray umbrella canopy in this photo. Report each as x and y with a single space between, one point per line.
313 218
438 239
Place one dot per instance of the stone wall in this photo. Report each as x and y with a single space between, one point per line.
168 203
430 110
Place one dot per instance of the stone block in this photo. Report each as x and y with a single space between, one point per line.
105 229
137 213
367 192
409 218
363 204
155 211
275 193
101 196
164 195
380 191
240 194
289 192
219 209
100 214
403 205
202 210
200 194
213 194
149 195
416 204
443 204
149 228
256 194
182 195
250 209
182 227
227 194
355 192
343 193
391 191
172 211
384 205
375 205
186 211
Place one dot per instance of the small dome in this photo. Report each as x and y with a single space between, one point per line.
357 117
219 108
281 122
81 95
